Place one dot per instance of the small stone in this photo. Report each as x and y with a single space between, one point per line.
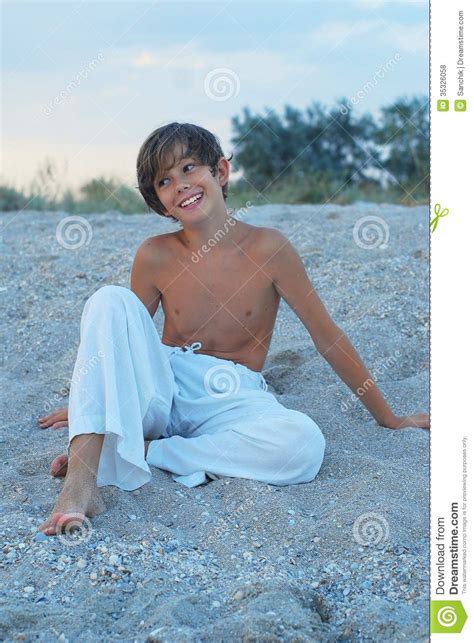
93 575
81 563
114 559
216 604
40 537
238 596
132 517
28 589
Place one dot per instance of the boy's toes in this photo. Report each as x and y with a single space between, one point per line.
58 467
59 523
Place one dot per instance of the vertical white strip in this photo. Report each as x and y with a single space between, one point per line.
452 318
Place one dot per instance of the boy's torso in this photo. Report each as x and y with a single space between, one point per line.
224 299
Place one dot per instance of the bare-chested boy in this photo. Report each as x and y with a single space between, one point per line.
220 300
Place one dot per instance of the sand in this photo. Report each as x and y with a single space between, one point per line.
233 560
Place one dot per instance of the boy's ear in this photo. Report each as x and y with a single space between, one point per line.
223 170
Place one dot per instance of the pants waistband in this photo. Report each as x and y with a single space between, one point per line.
195 346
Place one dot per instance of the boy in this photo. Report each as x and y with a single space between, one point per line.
195 403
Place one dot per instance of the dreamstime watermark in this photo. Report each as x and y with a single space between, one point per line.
371 232
64 391
369 382
242 510
75 529
73 232
370 529
221 381
370 84
221 84
73 84
447 616
221 233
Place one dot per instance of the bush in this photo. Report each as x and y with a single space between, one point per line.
11 199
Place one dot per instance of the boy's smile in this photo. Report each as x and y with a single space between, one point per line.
191 201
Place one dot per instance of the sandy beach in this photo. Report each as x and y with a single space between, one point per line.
343 558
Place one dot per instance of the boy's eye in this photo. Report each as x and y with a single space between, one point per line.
184 169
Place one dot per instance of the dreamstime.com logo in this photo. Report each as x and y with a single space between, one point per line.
76 531
371 232
371 84
230 222
447 617
73 232
221 84
73 84
221 381
370 529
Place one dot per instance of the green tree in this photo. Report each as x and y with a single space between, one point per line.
333 144
403 134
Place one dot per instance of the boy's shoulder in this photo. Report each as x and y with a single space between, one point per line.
265 239
269 241
153 248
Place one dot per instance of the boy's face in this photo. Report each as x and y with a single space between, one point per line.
188 190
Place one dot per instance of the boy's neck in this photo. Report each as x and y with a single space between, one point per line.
221 227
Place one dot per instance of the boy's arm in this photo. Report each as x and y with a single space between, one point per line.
292 283
143 275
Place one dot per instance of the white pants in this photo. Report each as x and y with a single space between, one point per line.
204 415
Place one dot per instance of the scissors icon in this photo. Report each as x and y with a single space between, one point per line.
438 214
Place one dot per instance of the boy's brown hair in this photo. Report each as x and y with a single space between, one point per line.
167 146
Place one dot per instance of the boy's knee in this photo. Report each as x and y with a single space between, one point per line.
303 456
108 297
312 453
108 300
110 293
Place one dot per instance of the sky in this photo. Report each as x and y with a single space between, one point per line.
84 83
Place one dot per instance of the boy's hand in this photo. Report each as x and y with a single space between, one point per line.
418 420
56 420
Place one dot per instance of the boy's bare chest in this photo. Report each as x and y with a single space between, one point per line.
225 302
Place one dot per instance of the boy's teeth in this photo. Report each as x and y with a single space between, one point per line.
191 200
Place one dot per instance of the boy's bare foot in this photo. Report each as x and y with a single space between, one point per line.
58 467
78 498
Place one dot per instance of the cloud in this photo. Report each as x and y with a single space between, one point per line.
332 33
407 37
383 33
